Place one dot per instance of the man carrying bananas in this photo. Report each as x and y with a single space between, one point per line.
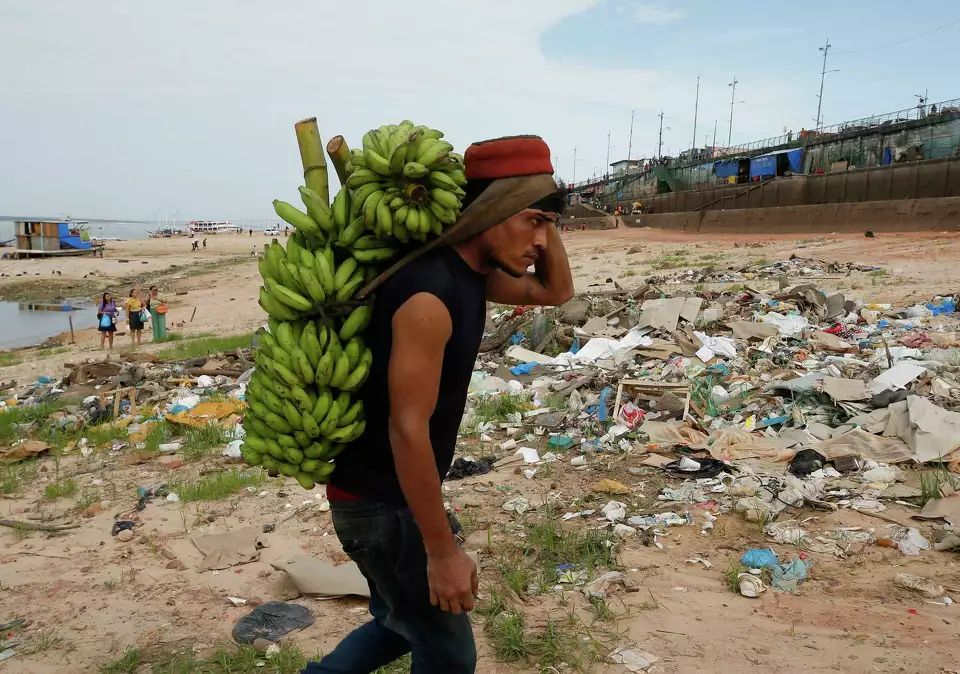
425 334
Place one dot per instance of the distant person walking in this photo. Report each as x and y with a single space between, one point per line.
251 232
158 314
194 246
204 243
107 319
134 305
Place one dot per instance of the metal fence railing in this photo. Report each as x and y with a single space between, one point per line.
802 138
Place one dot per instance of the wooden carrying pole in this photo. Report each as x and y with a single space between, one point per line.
311 154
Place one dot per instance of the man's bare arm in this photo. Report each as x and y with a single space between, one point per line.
551 283
421 330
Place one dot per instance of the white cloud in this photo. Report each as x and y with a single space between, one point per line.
654 13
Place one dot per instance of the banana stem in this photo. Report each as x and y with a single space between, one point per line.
339 156
311 154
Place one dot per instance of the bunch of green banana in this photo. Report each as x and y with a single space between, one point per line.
406 183
300 411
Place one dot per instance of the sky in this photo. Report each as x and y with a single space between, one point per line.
115 109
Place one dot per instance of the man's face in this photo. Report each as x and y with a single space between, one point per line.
517 242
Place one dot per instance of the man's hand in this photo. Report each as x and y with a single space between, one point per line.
453 580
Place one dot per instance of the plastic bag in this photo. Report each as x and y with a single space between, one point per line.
106 320
271 621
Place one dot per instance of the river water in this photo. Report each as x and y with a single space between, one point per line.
27 324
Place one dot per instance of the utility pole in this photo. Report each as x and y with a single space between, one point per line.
574 164
660 140
696 106
733 93
823 74
630 143
607 169
714 135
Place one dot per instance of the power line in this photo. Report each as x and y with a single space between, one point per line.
894 44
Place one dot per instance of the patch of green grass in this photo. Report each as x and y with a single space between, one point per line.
104 434
493 604
160 433
508 637
205 346
601 608
46 640
60 489
88 496
735 288
667 262
12 418
218 485
226 659
931 482
877 276
13 476
497 407
204 442
699 287
588 549
731 574
9 359
711 256
628 272
762 261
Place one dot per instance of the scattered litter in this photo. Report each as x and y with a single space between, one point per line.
633 661
271 621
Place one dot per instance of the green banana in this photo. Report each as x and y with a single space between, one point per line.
317 450
288 297
357 431
341 208
303 440
310 344
329 424
370 141
441 180
291 214
293 417
274 449
351 233
374 255
313 286
353 349
287 441
369 210
384 222
256 443
356 378
369 242
285 337
272 401
353 413
267 342
376 162
260 427
458 177
304 480
341 434
398 156
320 409
414 170
275 308
344 272
308 466
363 176
300 399
358 319
442 213
350 287
317 208
294 456
432 133
324 273
304 369
413 220
323 334
324 369
340 371
445 198
276 422
310 426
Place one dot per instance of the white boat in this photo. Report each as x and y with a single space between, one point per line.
207 227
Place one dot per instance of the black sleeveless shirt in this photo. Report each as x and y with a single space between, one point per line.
365 468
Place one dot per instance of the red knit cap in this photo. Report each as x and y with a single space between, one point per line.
507 157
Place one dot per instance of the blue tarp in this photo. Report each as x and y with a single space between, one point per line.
727 168
766 164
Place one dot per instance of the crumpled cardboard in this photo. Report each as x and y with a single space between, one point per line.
205 413
231 548
858 442
932 432
316 577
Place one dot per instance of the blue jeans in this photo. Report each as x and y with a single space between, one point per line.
386 544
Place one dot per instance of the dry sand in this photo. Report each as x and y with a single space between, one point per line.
102 595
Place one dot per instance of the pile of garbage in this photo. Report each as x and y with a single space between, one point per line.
781 269
760 403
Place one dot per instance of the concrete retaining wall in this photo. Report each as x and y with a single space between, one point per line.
910 215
